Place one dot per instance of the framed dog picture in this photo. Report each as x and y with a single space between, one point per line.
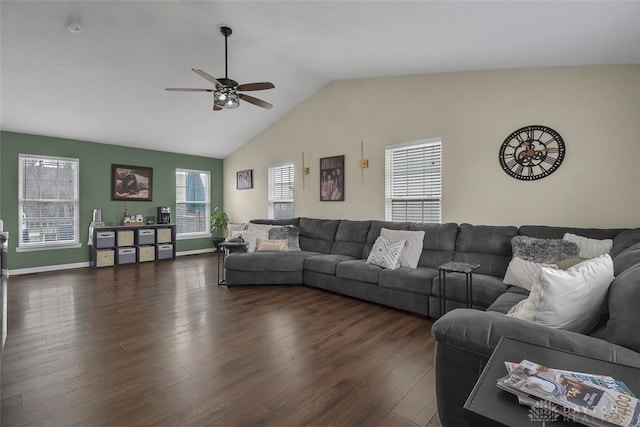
131 183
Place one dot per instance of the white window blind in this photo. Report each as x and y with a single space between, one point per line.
413 182
193 205
281 191
47 201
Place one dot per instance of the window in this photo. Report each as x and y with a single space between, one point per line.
47 202
192 203
413 181
281 191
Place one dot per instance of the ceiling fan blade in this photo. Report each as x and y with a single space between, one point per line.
256 86
188 89
255 101
216 108
207 77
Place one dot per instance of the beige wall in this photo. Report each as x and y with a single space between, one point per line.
595 109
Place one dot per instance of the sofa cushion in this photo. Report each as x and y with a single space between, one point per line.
413 249
416 280
266 261
487 245
350 238
549 232
626 259
374 232
325 263
506 301
624 299
285 221
486 288
359 270
625 240
317 235
572 300
439 243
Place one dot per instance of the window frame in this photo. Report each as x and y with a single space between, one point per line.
206 203
427 184
23 246
271 190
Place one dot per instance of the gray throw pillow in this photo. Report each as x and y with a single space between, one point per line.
543 250
288 232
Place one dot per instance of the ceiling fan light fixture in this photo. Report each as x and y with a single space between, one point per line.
225 98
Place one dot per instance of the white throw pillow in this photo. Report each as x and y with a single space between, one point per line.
572 300
386 254
250 237
521 272
255 227
590 248
411 253
233 229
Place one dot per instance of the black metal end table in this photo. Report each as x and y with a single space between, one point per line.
225 247
455 267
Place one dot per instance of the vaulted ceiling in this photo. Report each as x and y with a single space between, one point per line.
106 82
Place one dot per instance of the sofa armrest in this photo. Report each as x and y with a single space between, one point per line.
466 338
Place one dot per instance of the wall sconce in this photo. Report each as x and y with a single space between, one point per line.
305 170
364 163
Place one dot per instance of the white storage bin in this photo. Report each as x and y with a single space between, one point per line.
104 257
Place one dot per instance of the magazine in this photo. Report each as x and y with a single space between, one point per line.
601 380
573 394
540 406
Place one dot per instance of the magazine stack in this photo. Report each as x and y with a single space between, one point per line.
555 395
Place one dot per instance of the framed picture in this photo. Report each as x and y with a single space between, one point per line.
244 179
131 183
332 179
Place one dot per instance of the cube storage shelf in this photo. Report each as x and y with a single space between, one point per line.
129 245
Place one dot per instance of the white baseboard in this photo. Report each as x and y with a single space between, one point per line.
47 268
196 252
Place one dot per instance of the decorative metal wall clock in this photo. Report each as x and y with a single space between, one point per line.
532 152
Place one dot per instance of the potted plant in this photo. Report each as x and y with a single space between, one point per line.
219 221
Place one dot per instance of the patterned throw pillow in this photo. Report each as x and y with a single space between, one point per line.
386 254
546 251
411 253
290 233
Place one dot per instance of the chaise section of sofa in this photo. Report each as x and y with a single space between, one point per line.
466 338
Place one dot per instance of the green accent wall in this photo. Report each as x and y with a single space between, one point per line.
95 188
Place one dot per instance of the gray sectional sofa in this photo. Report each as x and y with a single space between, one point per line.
333 257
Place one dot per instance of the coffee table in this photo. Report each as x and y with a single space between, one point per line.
487 405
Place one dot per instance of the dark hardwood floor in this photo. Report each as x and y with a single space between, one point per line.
163 344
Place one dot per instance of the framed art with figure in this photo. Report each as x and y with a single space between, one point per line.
131 183
244 179
332 179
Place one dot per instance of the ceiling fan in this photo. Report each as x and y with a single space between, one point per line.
227 92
